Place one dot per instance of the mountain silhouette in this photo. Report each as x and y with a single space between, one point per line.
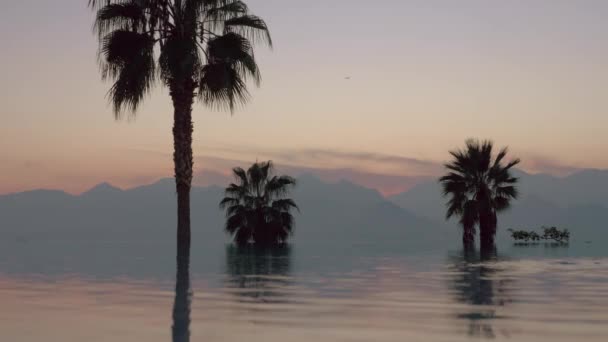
578 202
331 213
109 232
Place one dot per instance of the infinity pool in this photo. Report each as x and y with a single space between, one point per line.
293 295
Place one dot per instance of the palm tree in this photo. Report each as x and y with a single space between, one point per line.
197 48
479 187
257 210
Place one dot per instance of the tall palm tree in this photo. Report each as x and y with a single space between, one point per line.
479 186
197 48
257 209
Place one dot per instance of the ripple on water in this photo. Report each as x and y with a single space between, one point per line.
392 300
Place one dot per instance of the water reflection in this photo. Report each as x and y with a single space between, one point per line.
183 297
260 275
477 281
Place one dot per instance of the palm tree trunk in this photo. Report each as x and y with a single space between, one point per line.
468 237
182 94
487 228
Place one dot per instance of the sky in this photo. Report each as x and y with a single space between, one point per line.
373 91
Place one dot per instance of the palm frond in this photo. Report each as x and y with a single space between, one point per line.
512 163
266 170
250 26
236 190
119 16
96 4
500 156
221 86
284 205
236 210
455 205
128 59
236 52
226 10
240 175
229 202
278 186
257 175
485 156
502 203
455 188
508 192
234 223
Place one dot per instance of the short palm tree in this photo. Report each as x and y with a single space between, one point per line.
257 209
479 186
197 48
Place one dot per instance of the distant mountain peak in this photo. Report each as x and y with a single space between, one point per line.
589 172
102 188
165 181
308 176
210 177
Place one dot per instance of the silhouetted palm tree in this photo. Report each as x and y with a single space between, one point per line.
479 187
257 210
197 48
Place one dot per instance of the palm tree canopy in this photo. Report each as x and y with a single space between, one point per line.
205 43
477 181
256 206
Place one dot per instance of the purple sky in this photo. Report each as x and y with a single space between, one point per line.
424 76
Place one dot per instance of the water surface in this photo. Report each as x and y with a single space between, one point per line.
124 292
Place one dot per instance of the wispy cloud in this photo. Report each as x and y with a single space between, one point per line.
385 172
385 184
389 174
539 164
335 159
362 160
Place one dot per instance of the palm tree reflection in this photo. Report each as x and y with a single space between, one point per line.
476 281
259 274
183 297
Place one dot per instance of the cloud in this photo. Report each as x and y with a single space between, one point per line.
216 170
384 172
539 164
334 159
362 160
389 174
385 184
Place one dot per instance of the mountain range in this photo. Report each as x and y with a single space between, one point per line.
578 202
329 213
332 213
